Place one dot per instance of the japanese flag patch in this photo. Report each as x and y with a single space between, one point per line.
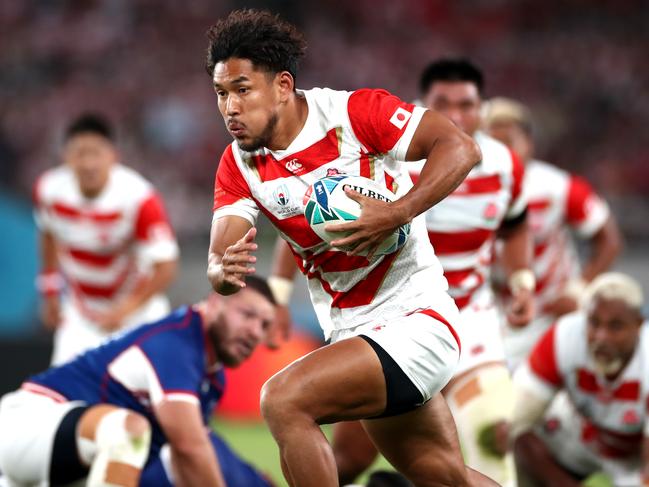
400 117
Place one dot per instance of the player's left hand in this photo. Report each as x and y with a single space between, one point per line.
521 310
377 221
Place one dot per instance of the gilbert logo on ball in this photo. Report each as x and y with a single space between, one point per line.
326 203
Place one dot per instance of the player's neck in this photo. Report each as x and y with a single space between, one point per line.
292 118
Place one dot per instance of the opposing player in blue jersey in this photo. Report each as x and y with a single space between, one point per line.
134 411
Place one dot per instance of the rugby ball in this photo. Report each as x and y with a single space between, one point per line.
326 203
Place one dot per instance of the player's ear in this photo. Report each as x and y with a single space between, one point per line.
286 85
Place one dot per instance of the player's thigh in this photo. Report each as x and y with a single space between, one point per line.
340 381
29 424
421 444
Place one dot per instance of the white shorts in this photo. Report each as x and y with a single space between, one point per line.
28 425
561 431
480 336
77 333
423 347
519 342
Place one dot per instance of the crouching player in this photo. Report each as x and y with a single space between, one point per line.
135 410
592 370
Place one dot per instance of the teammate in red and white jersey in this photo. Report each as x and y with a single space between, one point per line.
488 205
389 318
105 241
590 372
558 202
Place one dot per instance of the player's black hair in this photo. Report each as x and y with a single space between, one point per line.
269 42
90 123
260 285
451 69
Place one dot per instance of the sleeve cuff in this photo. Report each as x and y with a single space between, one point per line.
400 149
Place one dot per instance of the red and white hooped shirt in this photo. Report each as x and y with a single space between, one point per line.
462 227
364 133
615 411
559 201
106 244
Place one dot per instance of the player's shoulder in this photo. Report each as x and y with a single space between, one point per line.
570 335
644 342
496 156
545 171
328 104
54 182
128 184
179 330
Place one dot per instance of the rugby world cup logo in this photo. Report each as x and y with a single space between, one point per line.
281 195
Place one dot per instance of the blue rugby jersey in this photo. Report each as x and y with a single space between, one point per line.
167 359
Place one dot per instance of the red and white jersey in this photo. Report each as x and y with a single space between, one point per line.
462 227
557 202
615 411
357 133
108 243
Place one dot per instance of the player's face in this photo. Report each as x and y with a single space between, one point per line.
458 100
248 100
514 136
91 157
241 325
613 331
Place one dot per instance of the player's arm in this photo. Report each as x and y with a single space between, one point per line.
536 382
229 259
605 246
49 281
537 463
193 458
516 258
281 283
449 153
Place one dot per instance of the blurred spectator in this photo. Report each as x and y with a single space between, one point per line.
581 66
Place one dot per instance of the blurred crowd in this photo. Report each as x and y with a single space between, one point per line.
580 65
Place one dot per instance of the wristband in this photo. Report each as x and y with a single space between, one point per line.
49 283
522 280
281 288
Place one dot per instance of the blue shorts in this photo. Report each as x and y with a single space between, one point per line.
235 471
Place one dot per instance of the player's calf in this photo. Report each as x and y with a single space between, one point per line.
115 443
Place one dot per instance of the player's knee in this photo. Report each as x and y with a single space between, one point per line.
123 436
279 400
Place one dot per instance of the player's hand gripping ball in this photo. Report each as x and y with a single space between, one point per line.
326 202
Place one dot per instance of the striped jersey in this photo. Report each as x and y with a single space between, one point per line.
615 412
107 244
559 202
171 359
462 227
361 133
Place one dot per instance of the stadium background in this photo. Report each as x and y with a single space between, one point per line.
580 65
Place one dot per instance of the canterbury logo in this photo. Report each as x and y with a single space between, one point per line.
293 166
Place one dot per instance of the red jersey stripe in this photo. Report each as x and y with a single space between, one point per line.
322 152
92 258
459 242
543 359
71 212
479 185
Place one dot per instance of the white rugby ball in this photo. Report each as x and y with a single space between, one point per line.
326 203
